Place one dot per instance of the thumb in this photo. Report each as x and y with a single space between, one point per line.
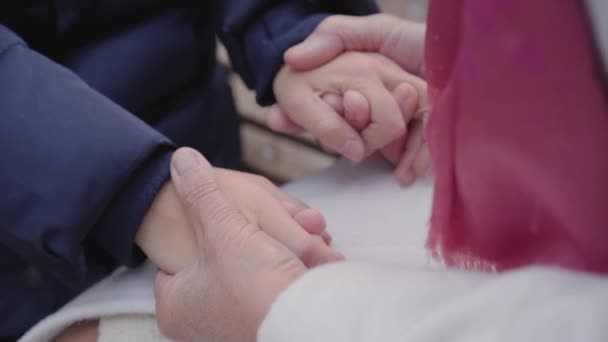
164 295
210 213
319 48
398 39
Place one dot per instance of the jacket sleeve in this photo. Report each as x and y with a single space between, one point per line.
370 302
256 33
76 169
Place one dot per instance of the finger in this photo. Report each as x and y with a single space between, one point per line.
386 122
310 219
291 222
211 214
335 35
407 99
403 172
356 110
403 83
319 118
326 238
278 121
422 162
424 111
316 50
335 101
375 156
311 249
399 40
392 152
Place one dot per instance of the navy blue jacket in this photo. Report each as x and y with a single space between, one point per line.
94 97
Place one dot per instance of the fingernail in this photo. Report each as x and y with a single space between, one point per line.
312 221
308 214
339 256
327 238
353 150
185 160
405 178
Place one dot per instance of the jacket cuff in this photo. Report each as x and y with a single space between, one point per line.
266 55
256 47
116 230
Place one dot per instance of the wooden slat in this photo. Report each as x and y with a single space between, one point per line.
249 109
278 157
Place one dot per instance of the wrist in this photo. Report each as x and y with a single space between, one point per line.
165 234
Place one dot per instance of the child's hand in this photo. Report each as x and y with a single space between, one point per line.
358 99
408 153
167 238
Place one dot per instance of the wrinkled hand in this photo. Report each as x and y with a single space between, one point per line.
399 40
167 237
239 272
281 216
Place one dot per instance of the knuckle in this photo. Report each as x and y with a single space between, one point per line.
199 193
229 224
236 235
221 214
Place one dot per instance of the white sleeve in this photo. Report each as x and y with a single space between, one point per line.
349 302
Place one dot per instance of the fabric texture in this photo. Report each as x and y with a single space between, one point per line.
128 328
389 289
257 33
354 224
95 95
518 135
353 301
125 292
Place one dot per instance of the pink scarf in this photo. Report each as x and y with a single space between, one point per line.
518 135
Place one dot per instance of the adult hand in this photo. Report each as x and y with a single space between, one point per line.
240 270
167 238
400 40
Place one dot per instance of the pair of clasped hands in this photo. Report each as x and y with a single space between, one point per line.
356 85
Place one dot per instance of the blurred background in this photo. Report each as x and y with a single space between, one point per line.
284 158
409 9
